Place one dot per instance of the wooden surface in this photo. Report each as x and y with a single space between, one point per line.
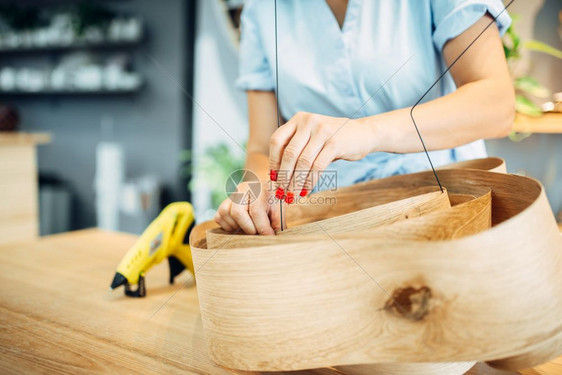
18 188
57 316
21 138
474 297
547 123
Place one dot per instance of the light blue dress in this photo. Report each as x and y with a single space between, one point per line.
355 71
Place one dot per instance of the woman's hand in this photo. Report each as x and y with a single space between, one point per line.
255 216
306 145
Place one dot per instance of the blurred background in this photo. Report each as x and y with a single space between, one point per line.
111 109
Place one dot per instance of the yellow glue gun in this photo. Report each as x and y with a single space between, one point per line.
166 237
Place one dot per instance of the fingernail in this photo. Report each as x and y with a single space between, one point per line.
280 193
303 192
273 175
290 197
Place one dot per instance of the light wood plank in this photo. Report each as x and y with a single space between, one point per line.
56 316
18 192
550 123
22 138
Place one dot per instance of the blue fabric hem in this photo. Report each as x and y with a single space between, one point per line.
255 81
463 17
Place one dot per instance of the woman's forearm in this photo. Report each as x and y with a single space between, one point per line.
262 116
482 107
477 110
258 163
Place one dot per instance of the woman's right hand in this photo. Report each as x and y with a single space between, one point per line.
260 216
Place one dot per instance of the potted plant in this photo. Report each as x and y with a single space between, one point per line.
526 85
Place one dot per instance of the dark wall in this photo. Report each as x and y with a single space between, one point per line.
152 125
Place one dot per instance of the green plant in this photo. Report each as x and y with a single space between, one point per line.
214 167
526 85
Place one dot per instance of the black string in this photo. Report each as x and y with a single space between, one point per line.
439 79
277 101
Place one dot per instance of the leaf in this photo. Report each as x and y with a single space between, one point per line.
511 44
506 51
213 167
525 106
518 137
186 155
531 86
535 45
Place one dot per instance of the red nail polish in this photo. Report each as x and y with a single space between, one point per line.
290 197
273 175
280 193
303 192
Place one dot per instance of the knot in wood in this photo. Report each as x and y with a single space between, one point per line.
409 302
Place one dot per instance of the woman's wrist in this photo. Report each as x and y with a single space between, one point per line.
372 133
386 131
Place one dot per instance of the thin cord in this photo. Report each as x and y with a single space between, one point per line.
277 100
439 79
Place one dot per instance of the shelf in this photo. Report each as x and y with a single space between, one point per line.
70 92
550 123
73 46
20 138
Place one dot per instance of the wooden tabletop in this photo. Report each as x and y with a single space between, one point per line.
57 315
22 138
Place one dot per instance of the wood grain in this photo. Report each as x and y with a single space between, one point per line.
490 164
470 215
376 216
365 219
325 302
19 185
56 316
322 205
18 192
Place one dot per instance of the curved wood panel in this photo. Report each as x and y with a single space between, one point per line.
440 287
466 218
326 204
491 164
456 368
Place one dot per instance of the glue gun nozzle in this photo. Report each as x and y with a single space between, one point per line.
118 280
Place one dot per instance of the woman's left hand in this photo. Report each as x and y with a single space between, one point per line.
306 145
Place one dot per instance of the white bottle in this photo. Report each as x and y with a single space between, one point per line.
110 174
